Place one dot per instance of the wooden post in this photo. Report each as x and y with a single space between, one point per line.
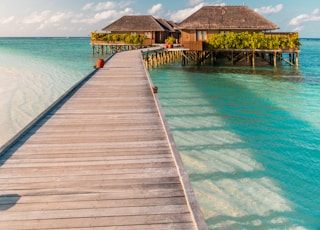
253 58
297 59
270 58
232 57
183 59
275 59
290 58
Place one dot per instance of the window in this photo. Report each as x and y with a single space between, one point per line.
147 34
201 35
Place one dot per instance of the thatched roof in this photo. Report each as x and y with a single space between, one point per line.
166 24
136 23
227 18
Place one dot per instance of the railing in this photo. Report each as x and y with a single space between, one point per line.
148 42
193 45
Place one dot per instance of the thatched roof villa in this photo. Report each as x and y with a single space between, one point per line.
227 18
222 19
155 30
204 29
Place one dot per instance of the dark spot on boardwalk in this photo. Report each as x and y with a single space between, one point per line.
7 201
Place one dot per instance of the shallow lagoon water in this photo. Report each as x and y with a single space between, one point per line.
249 138
34 73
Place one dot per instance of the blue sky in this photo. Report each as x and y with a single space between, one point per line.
80 17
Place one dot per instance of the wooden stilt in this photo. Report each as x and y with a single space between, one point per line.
232 61
253 58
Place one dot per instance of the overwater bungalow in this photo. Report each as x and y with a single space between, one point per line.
221 19
202 31
132 32
154 30
234 34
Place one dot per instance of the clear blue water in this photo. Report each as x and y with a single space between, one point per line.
249 138
34 72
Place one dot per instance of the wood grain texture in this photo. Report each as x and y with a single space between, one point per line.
100 160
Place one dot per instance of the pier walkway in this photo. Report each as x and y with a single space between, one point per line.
102 158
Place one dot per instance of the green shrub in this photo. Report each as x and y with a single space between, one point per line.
246 40
113 38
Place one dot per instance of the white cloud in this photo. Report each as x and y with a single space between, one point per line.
105 6
109 11
108 15
313 17
88 6
42 26
7 20
60 16
104 15
37 17
95 13
297 29
156 8
47 17
194 2
182 14
316 11
109 5
269 9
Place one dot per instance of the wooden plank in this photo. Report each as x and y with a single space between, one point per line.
15 173
101 158
93 213
94 178
107 203
173 221
107 195
90 157
97 182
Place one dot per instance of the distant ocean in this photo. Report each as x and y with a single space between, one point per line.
249 138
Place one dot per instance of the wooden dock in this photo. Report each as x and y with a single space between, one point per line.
101 158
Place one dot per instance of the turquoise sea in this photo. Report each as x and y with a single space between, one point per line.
34 72
249 138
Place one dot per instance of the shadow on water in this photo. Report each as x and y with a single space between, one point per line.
279 142
287 147
7 201
289 74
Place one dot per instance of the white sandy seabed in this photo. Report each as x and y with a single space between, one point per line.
27 88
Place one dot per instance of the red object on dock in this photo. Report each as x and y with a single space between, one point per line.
100 63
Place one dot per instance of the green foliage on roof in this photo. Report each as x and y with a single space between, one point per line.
116 38
246 40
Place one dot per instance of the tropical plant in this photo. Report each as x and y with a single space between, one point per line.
114 38
169 40
246 40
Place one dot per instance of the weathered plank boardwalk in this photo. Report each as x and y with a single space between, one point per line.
101 159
